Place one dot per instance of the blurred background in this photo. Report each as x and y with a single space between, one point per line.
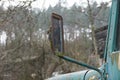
25 52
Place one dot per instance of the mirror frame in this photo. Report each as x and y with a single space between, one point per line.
58 17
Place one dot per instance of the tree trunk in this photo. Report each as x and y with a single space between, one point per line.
91 18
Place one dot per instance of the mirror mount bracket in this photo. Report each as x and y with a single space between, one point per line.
78 62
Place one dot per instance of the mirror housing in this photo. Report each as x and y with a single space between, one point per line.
56 35
56 38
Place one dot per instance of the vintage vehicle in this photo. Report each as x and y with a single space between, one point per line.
110 70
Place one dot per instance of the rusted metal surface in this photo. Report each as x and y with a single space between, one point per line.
112 50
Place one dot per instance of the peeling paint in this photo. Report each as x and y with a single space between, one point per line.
115 59
119 62
93 78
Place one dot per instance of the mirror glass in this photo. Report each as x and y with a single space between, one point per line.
57 42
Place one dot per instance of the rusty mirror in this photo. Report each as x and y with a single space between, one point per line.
56 33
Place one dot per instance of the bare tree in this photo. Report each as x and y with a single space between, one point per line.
91 19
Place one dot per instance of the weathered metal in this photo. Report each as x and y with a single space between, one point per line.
94 74
111 52
80 75
80 63
57 39
111 68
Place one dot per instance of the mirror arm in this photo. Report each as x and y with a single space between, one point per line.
80 63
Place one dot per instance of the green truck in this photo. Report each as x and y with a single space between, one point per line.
110 70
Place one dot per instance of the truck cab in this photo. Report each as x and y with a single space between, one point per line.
110 70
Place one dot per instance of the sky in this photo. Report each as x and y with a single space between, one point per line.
44 4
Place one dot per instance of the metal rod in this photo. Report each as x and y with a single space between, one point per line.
80 63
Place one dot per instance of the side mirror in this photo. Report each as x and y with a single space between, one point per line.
56 36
